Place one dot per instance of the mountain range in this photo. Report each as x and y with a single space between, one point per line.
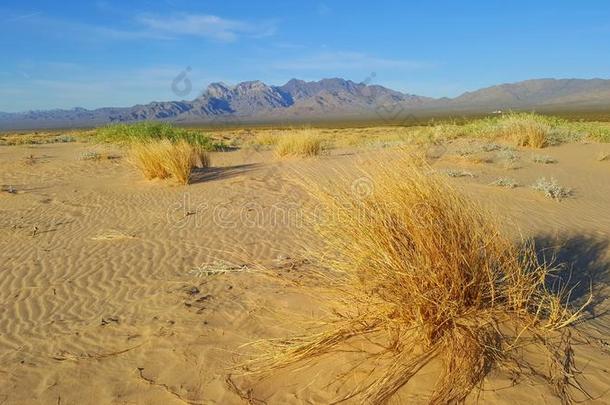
297 100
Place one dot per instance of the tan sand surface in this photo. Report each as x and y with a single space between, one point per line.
119 290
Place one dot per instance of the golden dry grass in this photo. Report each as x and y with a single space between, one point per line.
305 143
427 274
268 138
163 159
529 133
521 129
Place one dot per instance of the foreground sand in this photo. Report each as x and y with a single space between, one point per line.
118 290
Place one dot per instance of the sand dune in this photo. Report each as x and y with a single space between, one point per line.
118 290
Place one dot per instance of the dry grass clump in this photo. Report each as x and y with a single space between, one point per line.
528 133
522 129
421 272
603 156
266 139
163 159
300 144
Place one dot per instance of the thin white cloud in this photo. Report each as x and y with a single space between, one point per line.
23 16
206 26
74 30
150 27
346 61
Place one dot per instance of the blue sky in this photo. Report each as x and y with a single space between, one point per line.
111 53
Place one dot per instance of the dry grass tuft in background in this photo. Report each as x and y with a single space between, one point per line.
305 143
522 129
163 159
527 133
267 139
421 272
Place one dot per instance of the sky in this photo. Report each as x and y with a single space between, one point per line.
119 53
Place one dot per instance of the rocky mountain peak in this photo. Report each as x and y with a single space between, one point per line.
334 97
217 90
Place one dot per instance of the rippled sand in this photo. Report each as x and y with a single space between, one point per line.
118 290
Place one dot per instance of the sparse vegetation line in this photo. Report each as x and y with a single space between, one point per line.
155 131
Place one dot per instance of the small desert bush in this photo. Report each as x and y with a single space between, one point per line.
96 156
458 173
300 143
163 159
551 188
477 152
544 159
91 155
494 147
509 159
603 156
505 182
524 130
478 159
420 272
127 134
466 151
508 155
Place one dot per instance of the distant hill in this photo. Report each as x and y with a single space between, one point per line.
327 98
541 92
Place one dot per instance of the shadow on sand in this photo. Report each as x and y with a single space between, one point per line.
220 173
583 266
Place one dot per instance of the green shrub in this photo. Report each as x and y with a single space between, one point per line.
596 131
155 131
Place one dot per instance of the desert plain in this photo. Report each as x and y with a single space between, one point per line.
117 289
